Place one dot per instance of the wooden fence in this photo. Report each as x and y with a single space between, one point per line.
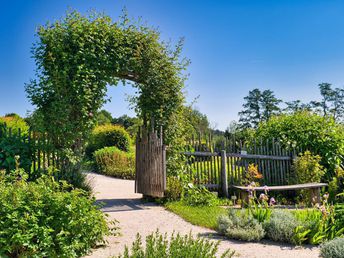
37 145
150 177
216 169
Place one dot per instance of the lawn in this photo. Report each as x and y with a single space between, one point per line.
197 215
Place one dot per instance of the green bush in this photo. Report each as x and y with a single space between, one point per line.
199 196
158 245
307 168
333 249
240 225
174 188
14 123
308 131
281 226
114 162
12 146
41 219
107 136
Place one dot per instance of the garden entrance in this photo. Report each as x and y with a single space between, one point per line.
150 177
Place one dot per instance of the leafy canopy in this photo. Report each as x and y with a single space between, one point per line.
78 56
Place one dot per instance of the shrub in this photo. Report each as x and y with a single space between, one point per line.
114 162
307 168
199 196
15 123
158 245
174 188
240 225
308 131
333 249
41 219
107 136
281 226
12 146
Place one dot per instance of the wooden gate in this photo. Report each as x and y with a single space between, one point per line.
150 178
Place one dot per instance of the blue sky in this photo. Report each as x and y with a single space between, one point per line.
234 46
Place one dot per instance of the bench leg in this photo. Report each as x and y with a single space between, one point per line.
244 199
315 195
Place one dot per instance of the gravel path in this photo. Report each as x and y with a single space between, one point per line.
122 204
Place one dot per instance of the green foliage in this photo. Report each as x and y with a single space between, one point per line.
332 102
205 216
174 188
107 136
78 56
259 106
114 162
307 168
158 245
308 131
12 146
14 123
103 117
281 226
199 196
131 124
42 219
240 225
333 249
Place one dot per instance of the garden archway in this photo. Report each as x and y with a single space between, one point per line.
78 56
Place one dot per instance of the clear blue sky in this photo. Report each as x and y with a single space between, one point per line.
234 46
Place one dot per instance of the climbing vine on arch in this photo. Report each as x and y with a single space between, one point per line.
78 56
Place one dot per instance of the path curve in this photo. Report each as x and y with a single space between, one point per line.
122 204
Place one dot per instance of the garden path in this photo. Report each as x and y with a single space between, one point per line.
134 216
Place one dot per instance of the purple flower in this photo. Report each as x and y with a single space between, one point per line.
272 201
266 189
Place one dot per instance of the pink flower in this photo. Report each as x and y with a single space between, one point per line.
272 201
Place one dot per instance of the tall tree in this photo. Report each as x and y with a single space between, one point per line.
259 106
296 106
332 102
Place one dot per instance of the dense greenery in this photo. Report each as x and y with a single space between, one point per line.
14 123
46 219
114 162
15 150
307 168
107 136
78 56
308 131
158 245
333 249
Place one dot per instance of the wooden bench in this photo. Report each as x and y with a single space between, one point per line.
314 189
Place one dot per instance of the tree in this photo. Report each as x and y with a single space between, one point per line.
296 106
103 117
259 106
332 102
198 121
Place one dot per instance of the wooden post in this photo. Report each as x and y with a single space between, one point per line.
224 181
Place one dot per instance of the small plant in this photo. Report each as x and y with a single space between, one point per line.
158 245
199 196
281 226
240 225
174 188
333 249
252 175
307 168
